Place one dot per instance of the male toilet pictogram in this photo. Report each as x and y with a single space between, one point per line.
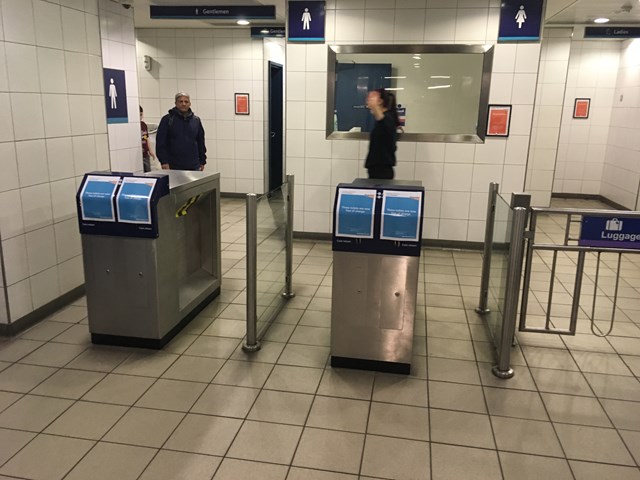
521 16
306 20
113 94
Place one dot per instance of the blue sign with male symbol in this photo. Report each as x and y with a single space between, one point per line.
115 92
610 232
306 21
520 20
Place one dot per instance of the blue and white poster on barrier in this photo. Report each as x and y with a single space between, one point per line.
115 92
306 21
96 198
610 232
401 215
355 213
134 200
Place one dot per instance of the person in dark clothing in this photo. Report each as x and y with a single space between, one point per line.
382 141
147 151
180 138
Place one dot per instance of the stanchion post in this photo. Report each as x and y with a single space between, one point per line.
288 291
251 343
488 247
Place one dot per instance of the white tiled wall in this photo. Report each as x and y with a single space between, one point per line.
621 173
211 65
119 52
52 131
456 176
593 71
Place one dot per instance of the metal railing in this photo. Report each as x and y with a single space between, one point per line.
269 259
502 272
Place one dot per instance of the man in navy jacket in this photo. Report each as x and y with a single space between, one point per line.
180 138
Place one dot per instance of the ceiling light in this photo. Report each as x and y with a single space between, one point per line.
243 22
417 57
601 20
264 31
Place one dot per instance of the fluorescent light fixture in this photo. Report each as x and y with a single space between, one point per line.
601 20
440 76
389 78
264 30
243 22
394 88
417 57
416 65
435 87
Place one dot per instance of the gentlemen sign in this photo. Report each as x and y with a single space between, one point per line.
220 12
612 32
520 20
115 92
306 21
610 232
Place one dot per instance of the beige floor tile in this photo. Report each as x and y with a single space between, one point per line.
33 413
266 442
243 374
68 383
304 356
439 314
194 369
204 434
337 382
4 365
315 318
146 364
632 440
576 410
45 331
623 414
108 461
279 332
222 327
522 379
597 471
200 323
605 363
290 316
633 363
226 401
561 381
455 396
448 370
8 398
294 379
214 347
144 427
11 441
180 343
448 348
552 358
86 420
23 378
76 334
515 403
461 428
317 336
169 465
119 389
457 331
526 436
232 469
329 450
614 386
395 458
339 414
53 355
593 444
450 462
516 466
399 421
269 353
47 457
281 407
400 390
297 473
100 359
71 314
171 395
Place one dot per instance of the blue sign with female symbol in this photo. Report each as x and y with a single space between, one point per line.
520 20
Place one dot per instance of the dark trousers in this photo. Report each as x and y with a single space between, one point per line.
382 172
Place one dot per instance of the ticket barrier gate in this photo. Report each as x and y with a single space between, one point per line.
151 252
377 240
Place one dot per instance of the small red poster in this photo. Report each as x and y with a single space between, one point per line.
499 120
242 104
581 108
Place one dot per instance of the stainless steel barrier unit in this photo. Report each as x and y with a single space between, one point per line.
151 245
269 259
377 234
596 232
502 272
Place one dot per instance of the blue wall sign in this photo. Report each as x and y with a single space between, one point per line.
265 12
520 20
115 93
612 32
610 232
306 21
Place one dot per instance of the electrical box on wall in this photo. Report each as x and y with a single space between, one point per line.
148 61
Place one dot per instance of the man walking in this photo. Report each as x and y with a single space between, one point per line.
180 138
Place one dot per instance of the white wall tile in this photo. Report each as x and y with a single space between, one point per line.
71 274
350 26
9 179
48 26
11 221
60 158
440 24
527 57
80 110
74 30
14 252
409 25
20 303
52 62
32 162
45 287
78 80
57 122
455 205
471 24
457 177
22 67
378 26
316 146
452 229
18 23
63 199
36 206
41 249
27 115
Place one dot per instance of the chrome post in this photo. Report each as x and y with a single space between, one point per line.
512 294
527 271
488 247
251 342
576 292
288 292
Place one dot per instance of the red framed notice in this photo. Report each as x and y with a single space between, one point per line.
499 120
581 108
242 104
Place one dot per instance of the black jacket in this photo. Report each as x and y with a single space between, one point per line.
382 143
180 141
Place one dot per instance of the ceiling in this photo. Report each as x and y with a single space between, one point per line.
583 12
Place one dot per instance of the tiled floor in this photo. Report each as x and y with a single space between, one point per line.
202 409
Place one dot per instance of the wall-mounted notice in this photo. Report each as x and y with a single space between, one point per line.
401 212
610 232
134 200
306 21
498 120
96 198
581 107
354 216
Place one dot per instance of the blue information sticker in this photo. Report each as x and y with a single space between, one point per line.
134 200
355 213
96 198
401 216
306 21
610 232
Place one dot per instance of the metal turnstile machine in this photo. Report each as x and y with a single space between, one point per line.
377 232
151 251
